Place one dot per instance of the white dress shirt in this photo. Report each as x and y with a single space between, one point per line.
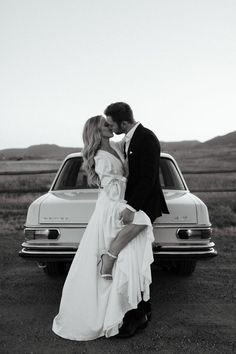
127 140
129 136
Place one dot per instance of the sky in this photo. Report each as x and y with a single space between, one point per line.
64 61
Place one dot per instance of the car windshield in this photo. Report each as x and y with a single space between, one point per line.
72 175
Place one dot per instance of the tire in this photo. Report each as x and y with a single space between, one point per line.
185 267
54 269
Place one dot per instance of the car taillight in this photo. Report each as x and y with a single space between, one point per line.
34 234
186 234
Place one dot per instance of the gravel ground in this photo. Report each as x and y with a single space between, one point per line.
194 314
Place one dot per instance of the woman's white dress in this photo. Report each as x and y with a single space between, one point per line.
91 306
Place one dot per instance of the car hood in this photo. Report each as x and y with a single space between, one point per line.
76 206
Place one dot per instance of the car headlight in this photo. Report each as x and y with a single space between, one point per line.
34 234
188 233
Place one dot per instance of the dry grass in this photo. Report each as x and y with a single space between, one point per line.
222 208
14 206
14 210
205 159
211 181
26 181
29 165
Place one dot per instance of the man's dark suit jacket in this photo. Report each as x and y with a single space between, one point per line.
143 189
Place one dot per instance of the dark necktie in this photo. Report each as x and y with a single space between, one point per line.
125 150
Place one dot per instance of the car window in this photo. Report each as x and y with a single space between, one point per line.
72 176
169 175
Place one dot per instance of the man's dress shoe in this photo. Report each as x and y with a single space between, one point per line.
132 323
145 307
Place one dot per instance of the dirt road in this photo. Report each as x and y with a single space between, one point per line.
194 314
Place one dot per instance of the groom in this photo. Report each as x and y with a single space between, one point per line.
143 192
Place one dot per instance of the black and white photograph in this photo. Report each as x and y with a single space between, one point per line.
117 176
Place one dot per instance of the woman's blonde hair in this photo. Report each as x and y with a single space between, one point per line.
92 141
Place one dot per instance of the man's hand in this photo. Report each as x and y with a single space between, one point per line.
127 216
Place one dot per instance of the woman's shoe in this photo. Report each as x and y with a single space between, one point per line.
107 276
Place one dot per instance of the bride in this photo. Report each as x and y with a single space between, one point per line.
102 286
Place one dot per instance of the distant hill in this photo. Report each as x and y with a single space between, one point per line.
228 140
52 151
44 151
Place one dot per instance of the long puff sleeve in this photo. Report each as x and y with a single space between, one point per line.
111 181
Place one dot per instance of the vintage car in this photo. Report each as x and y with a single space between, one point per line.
56 221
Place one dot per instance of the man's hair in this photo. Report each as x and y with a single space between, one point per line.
120 112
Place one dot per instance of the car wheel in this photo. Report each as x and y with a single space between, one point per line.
54 269
184 267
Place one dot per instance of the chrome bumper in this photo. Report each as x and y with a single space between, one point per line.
183 251
48 252
63 252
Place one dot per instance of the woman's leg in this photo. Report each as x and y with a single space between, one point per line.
124 236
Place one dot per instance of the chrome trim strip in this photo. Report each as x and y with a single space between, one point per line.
210 251
45 252
188 247
44 245
56 225
183 225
